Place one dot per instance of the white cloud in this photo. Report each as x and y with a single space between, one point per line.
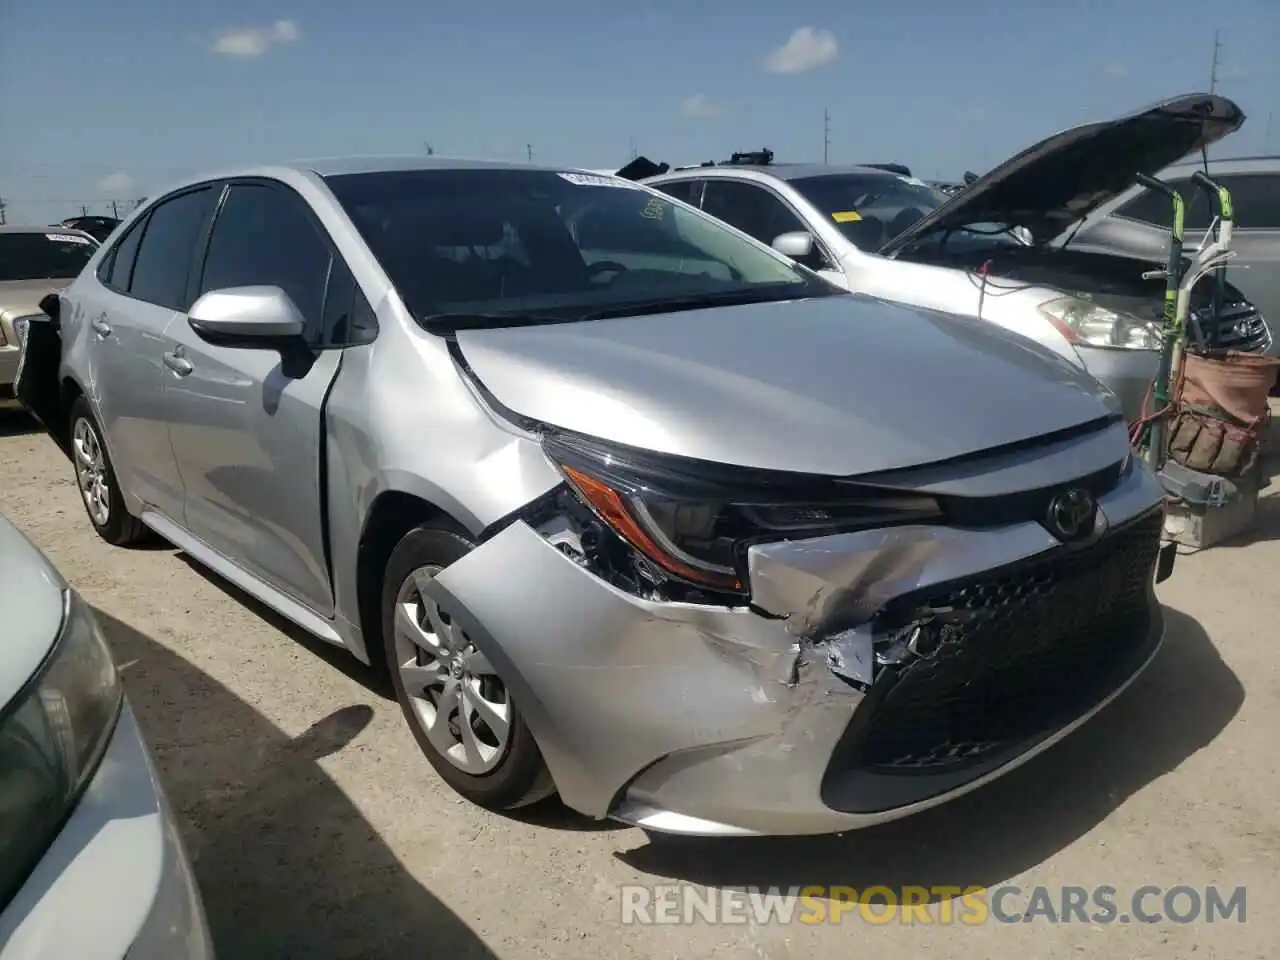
805 49
700 106
1116 71
114 185
245 43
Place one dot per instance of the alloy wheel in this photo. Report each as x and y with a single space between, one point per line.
457 699
91 472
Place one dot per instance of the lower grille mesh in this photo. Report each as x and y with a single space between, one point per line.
1040 644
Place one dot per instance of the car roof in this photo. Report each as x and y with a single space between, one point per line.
42 228
1261 164
779 171
338 166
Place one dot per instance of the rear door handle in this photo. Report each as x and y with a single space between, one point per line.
101 327
178 363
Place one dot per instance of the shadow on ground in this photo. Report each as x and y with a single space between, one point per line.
287 865
16 422
1186 698
373 680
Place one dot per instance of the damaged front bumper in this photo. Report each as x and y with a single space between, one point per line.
851 692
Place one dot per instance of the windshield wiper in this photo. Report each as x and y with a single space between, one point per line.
447 323
763 293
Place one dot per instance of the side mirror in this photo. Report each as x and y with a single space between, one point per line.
798 245
254 318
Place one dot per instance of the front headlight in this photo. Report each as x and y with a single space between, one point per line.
52 737
1085 323
20 326
693 522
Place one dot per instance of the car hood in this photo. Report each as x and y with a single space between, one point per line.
1059 180
18 298
31 598
840 385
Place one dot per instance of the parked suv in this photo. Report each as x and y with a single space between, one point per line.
632 508
1137 223
995 250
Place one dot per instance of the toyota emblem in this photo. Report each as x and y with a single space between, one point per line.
1072 514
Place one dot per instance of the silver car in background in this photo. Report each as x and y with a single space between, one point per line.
91 864
34 261
632 508
1002 249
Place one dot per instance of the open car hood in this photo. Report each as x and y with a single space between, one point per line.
837 386
642 167
1059 180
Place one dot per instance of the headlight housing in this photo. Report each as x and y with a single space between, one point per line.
52 737
692 522
1088 324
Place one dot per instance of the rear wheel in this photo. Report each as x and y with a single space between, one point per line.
96 481
457 706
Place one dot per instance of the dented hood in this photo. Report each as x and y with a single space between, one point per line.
1061 179
838 385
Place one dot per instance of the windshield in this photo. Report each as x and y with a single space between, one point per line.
43 256
870 208
516 242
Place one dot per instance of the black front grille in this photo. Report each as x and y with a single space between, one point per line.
1238 326
1027 649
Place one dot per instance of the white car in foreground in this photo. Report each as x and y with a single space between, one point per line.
91 865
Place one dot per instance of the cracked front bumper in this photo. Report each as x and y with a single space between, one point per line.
721 721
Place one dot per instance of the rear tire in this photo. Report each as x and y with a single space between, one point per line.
457 707
96 481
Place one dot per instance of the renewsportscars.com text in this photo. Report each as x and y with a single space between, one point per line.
939 905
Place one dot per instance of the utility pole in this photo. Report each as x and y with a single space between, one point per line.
1213 71
826 134
633 148
2 206
431 151
528 149
1266 138
84 210
115 209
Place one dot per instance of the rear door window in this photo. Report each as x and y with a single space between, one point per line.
164 260
117 268
1255 196
689 191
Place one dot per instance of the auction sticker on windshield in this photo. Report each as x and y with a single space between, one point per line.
595 180
846 216
67 238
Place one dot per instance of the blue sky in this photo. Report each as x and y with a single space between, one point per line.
109 100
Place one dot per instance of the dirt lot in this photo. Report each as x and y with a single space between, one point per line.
318 832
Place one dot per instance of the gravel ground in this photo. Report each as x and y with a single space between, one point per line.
317 831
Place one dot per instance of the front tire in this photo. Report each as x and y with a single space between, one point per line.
457 707
97 483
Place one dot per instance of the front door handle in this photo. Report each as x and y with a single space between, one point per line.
101 327
178 363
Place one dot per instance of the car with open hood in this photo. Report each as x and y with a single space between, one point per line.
34 261
632 508
995 249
